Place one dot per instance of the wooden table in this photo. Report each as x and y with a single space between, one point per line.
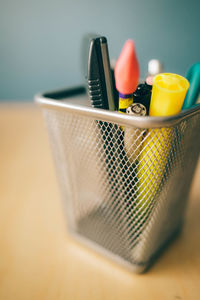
38 260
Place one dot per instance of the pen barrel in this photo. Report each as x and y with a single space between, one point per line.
124 102
151 167
193 76
168 94
133 136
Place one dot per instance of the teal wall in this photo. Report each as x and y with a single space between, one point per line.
40 40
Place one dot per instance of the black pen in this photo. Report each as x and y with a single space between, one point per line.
100 85
100 89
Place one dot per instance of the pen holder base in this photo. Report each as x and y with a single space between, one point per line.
115 251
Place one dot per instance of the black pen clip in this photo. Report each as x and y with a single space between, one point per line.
100 86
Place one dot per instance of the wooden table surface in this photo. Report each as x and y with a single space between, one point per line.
38 259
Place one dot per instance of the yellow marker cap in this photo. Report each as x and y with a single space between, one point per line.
168 93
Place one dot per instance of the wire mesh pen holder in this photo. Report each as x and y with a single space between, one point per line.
124 186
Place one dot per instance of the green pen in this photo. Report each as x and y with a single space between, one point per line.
193 75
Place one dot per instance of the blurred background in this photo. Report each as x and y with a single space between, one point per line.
41 49
41 41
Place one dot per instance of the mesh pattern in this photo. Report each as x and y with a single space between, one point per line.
124 188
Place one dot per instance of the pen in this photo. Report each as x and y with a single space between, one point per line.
126 75
143 95
99 75
100 91
168 94
193 75
133 136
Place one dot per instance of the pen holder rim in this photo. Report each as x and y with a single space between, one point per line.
45 100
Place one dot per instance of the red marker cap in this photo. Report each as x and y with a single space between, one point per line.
127 69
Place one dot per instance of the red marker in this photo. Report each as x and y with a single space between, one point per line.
126 75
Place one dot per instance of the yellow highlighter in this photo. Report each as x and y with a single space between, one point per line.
168 94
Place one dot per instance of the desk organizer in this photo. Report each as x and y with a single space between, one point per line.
124 180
